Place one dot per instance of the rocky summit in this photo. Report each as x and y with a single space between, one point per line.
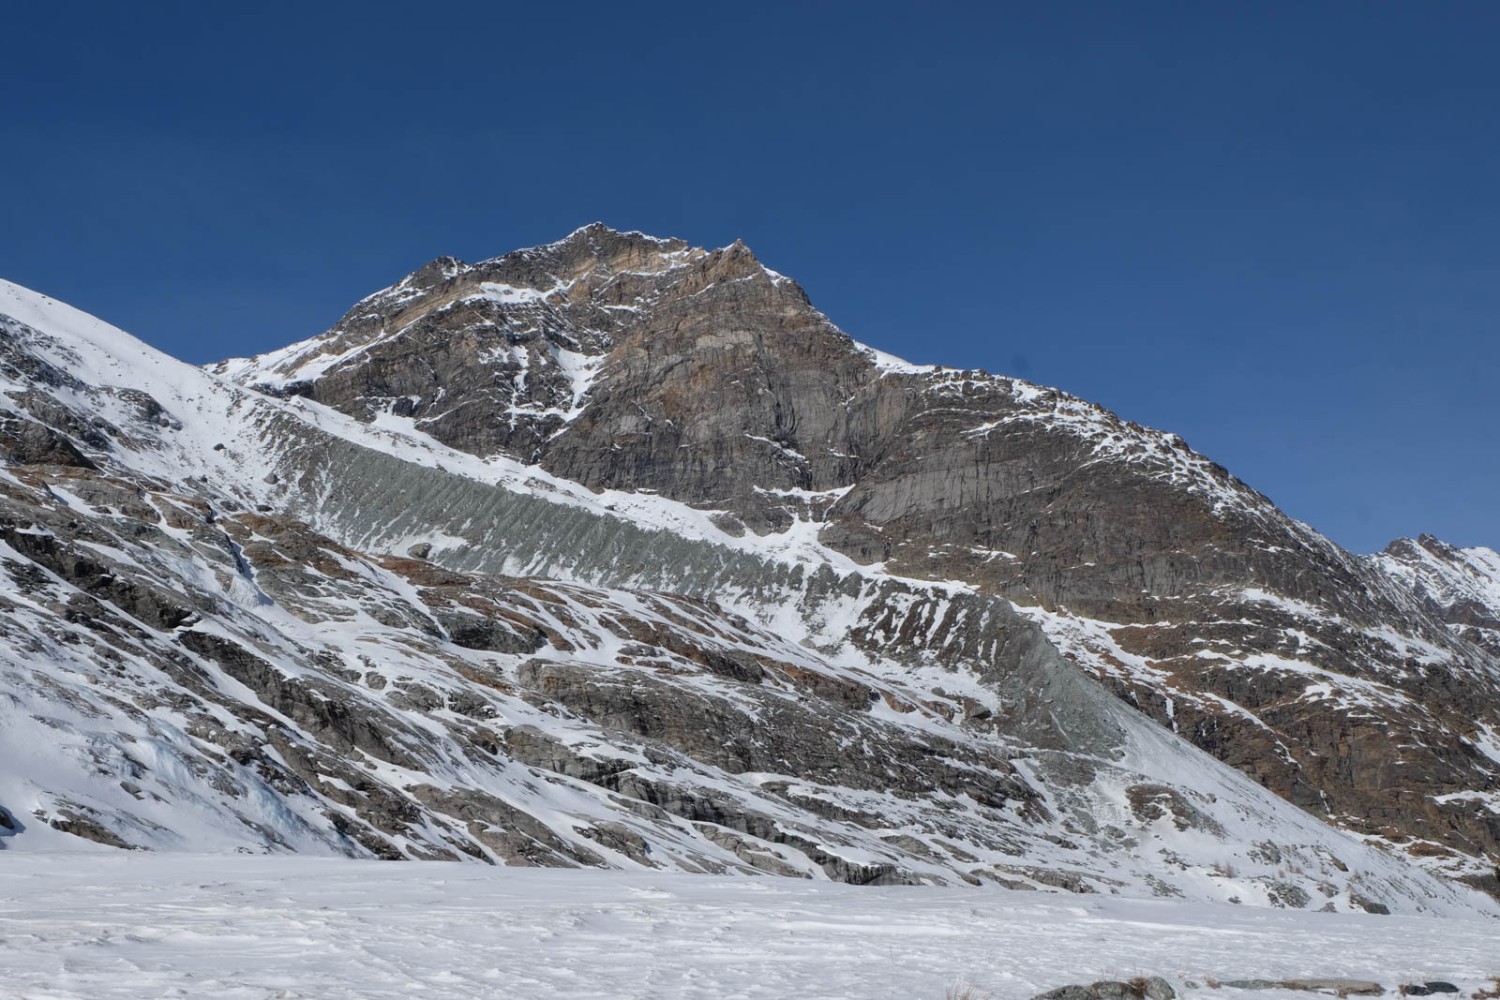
616 552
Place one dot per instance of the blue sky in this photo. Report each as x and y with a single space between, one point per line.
1269 227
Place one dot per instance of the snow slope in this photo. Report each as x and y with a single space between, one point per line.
117 927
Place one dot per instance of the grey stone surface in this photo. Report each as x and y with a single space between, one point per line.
1158 988
1154 987
1340 987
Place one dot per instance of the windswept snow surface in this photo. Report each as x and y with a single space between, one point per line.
101 927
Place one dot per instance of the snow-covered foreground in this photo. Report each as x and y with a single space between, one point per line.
130 925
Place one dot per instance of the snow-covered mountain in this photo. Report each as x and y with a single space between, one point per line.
650 369
617 553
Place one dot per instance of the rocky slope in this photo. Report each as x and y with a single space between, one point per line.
1460 586
258 620
646 367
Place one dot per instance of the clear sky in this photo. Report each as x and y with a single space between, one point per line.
1271 227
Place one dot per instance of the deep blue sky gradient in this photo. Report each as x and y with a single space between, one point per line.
1270 227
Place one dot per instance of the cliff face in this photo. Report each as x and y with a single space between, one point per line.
626 363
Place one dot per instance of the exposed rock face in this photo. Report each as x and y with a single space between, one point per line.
623 362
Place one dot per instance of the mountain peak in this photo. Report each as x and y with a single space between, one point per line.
600 240
436 271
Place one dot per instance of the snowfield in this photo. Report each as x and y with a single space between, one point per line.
97 926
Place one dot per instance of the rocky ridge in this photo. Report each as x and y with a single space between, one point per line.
1460 586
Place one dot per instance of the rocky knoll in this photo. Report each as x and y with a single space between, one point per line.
625 362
